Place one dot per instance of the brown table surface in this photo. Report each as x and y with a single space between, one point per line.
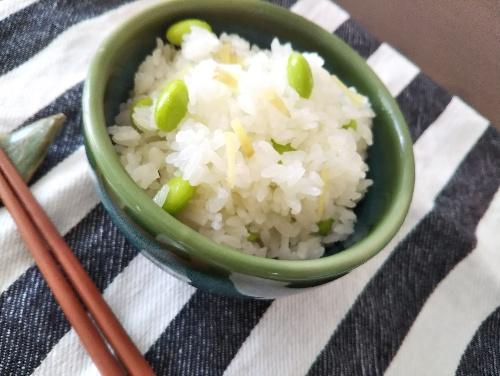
456 42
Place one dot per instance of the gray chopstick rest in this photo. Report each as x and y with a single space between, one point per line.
28 146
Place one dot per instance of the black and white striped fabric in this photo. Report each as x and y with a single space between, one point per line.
428 304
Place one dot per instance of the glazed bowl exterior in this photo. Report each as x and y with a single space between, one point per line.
182 251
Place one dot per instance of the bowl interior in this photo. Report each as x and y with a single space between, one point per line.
390 158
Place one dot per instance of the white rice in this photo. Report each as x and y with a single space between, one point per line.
279 197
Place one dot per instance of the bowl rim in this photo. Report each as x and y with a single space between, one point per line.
157 221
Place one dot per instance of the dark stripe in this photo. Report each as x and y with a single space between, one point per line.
482 356
371 333
28 31
70 137
421 102
357 37
205 335
30 320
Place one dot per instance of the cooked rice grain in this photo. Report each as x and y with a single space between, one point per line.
279 197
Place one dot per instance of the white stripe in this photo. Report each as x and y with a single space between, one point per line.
456 308
145 300
9 7
294 330
325 13
453 134
395 70
58 67
66 193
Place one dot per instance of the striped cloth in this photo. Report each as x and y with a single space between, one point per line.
428 304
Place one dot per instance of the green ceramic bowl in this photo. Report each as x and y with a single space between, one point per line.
181 250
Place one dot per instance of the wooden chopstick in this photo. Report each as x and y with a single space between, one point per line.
62 290
18 196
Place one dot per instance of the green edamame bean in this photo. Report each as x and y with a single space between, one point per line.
176 32
280 148
351 124
140 102
324 226
171 106
179 194
300 75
